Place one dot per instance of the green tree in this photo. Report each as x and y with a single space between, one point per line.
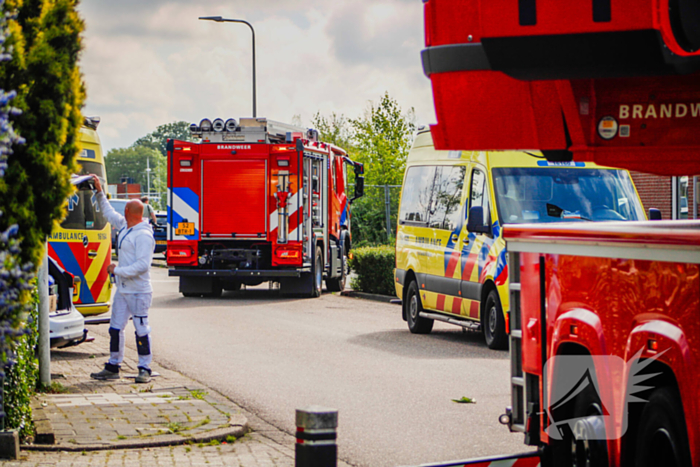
46 42
383 137
380 140
159 138
43 47
335 129
132 162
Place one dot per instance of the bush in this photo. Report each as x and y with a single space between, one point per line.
39 60
44 44
374 267
21 378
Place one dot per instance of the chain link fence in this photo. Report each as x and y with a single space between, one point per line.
374 215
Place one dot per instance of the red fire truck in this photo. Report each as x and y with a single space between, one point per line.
258 200
605 317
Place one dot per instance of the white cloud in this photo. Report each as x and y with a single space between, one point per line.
150 63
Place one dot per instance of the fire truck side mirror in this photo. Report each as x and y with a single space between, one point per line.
654 214
359 187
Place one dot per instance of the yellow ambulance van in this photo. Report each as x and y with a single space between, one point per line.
451 259
82 243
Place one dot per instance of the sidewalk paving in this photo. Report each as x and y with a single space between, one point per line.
114 414
122 423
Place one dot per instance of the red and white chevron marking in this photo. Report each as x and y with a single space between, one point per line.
522 462
293 218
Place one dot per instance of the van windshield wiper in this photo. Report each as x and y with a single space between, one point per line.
555 211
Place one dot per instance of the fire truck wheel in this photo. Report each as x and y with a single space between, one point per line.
216 289
232 286
493 323
662 437
191 295
337 284
416 324
583 440
588 443
317 274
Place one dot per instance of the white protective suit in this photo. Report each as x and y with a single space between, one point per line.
135 247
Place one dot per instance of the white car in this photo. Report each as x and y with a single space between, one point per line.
66 324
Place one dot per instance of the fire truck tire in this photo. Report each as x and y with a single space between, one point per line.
416 324
216 289
317 274
337 284
493 323
584 441
661 437
232 286
191 294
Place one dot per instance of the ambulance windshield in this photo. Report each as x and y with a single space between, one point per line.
557 194
84 212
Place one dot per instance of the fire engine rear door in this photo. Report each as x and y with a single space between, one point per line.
530 459
234 200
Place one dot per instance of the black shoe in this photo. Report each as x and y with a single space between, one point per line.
144 376
104 375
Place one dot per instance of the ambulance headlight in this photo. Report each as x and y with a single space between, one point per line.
231 124
218 125
205 124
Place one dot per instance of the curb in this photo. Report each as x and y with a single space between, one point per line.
238 429
368 296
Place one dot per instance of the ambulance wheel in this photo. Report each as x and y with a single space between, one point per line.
493 323
317 274
337 284
416 323
661 436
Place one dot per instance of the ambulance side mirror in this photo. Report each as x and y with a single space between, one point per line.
359 187
475 222
654 214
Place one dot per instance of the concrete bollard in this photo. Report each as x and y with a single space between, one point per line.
316 437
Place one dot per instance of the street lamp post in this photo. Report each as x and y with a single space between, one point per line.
219 19
148 174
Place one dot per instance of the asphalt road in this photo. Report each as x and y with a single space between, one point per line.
393 390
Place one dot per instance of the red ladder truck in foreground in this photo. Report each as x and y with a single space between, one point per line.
605 318
256 201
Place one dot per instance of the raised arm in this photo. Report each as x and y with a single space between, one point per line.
113 217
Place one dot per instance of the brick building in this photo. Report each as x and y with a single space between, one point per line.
673 196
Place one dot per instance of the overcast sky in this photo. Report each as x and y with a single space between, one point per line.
152 62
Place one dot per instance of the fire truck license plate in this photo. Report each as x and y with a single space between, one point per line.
185 228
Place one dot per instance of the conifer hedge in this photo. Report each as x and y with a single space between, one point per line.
45 42
40 63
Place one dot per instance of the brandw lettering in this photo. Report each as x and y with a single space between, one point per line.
233 146
639 111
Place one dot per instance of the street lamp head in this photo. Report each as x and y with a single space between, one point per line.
219 19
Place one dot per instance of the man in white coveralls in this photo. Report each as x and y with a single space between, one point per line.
135 245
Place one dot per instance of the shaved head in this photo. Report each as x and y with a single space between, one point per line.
133 212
